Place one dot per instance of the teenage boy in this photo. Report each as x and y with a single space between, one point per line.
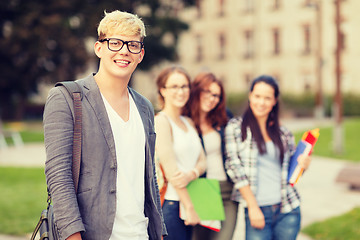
117 196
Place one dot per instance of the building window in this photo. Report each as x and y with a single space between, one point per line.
307 39
221 8
249 44
249 6
276 41
307 79
248 79
199 48
198 8
276 4
308 3
222 43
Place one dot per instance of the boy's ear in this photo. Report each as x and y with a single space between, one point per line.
97 49
141 55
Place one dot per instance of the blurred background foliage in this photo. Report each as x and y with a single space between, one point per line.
46 41
300 105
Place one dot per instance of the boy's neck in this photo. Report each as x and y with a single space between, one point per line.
108 83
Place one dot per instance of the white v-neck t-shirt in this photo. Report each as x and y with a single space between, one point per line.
130 221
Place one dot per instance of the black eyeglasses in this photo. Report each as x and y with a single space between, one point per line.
177 88
209 94
115 44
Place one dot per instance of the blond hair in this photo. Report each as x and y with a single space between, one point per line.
124 23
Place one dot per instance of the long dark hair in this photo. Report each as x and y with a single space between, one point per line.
216 117
272 123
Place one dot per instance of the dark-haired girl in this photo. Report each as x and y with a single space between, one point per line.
258 150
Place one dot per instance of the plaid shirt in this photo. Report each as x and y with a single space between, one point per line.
242 167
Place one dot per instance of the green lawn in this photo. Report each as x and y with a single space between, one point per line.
22 198
344 227
324 145
23 190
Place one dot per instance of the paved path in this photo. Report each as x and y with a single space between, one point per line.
29 155
321 196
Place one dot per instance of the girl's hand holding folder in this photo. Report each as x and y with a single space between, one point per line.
304 161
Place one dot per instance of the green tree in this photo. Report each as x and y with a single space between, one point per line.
45 41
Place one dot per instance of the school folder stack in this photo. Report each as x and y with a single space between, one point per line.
206 198
305 146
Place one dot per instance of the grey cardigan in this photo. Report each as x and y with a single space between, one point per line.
92 210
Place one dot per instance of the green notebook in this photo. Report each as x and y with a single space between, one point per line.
205 195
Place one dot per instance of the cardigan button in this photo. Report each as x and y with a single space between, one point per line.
112 191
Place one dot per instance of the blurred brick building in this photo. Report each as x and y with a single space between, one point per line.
295 41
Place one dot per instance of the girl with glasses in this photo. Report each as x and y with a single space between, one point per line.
207 109
179 151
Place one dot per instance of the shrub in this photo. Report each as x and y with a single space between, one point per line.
237 103
299 105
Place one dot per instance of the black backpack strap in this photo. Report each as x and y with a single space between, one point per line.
76 93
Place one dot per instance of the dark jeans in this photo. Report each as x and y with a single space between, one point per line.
278 226
175 226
